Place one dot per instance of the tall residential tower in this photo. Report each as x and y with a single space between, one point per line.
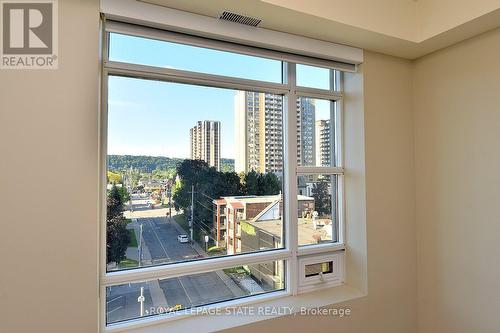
205 142
323 143
259 132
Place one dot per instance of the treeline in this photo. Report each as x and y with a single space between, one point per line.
150 163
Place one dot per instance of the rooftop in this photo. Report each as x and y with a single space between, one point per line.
306 230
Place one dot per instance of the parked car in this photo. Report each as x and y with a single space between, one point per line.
183 239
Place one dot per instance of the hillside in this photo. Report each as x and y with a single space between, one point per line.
150 163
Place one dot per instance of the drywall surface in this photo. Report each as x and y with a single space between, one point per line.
457 122
48 184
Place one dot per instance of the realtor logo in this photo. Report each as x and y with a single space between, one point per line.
29 34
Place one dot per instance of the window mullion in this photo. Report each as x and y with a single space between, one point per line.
319 170
189 77
191 267
291 176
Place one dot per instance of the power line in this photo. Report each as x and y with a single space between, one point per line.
199 221
206 231
207 196
211 209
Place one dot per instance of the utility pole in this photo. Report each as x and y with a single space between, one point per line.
140 245
192 213
169 192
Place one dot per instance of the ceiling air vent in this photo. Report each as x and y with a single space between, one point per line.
241 19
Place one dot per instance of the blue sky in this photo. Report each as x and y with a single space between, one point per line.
154 118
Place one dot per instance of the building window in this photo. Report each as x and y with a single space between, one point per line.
220 170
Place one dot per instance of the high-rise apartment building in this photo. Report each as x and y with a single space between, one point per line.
205 142
259 132
323 143
305 131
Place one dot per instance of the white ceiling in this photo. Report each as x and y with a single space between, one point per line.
404 28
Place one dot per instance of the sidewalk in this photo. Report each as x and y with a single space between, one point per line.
132 252
157 295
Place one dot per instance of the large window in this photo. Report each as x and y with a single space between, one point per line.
221 169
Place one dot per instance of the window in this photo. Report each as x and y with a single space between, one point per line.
161 296
221 170
317 209
178 172
170 55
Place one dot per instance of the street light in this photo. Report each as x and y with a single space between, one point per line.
141 299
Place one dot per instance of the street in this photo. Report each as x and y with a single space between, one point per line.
160 246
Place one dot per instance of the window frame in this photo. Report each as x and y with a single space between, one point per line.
291 251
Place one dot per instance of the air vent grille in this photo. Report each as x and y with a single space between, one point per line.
241 19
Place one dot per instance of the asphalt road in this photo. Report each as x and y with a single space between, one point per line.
122 304
160 237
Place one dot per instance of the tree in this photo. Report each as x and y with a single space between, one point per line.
210 184
255 183
251 183
124 195
114 178
322 200
227 184
269 184
190 172
117 236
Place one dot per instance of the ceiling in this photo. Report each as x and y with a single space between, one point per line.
404 28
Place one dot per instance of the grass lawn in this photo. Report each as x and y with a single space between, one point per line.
133 238
128 263
182 222
236 270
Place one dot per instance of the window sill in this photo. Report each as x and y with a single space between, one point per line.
263 308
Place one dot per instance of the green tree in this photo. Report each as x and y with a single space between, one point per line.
210 184
321 195
117 236
124 195
269 184
251 183
255 183
227 184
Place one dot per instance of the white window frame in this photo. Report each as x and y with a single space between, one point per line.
291 253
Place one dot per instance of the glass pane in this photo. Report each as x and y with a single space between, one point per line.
313 77
151 52
320 268
161 296
192 171
317 209
315 132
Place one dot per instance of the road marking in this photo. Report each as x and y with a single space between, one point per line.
164 250
184 288
158 238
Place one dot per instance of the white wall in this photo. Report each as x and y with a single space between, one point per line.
48 185
369 15
435 17
457 122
